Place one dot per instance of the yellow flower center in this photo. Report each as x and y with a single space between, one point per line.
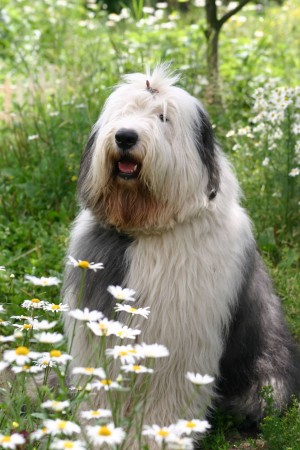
26 367
55 353
5 439
89 369
95 413
27 326
106 382
62 424
163 433
132 310
190 424
84 264
22 351
103 328
35 300
15 424
55 307
45 282
136 368
119 296
68 444
104 431
123 353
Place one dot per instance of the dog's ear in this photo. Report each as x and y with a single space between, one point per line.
85 164
206 146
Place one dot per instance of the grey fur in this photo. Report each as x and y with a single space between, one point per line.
258 348
107 246
196 264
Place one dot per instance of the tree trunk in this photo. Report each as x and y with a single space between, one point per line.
212 60
212 51
212 32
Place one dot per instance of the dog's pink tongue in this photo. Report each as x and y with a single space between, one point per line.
127 167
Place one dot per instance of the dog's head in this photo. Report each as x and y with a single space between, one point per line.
151 157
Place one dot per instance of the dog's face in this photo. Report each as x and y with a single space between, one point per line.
151 156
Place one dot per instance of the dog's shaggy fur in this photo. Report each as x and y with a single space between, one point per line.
160 210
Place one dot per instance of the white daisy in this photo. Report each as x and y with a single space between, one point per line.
152 350
105 327
18 334
49 338
59 426
22 317
20 355
10 338
24 327
26 369
127 333
160 434
2 309
85 264
55 356
39 434
105 434
11 441
136 368
194 425
296 128
126 353
96 414
89 371
33 137
42 325
55 405
2 268
181 443
56 308
44 362
43 281
86 315
105 384
65 444
196 378
134 311
4 323
121 294
34 303
294 172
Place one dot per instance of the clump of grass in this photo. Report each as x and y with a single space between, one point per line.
281 432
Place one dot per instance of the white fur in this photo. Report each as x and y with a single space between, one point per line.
188 267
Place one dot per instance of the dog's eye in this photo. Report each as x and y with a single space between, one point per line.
163 118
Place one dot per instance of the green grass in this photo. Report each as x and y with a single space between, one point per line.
64 60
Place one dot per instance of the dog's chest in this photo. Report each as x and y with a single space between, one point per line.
189 286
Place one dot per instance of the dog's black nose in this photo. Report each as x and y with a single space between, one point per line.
126 138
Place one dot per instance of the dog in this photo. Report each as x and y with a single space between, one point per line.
160 209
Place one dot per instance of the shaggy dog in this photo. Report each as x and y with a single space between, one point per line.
160 209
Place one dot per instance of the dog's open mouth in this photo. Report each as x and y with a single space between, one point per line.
127 168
